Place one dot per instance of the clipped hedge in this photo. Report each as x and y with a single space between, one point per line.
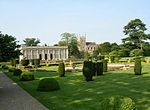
105 62
48 84
117 103
27 76
25 62
137 66
17 72
5 67
99 68
88 70
61 69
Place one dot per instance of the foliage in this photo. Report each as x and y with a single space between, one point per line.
8 47
48 84
25 62
5 67
17 72
27 76
31 41
135 31
87 70
137 66
61 69
136 52
14 62
105 48
105 61
70 40
11 69
99 68
118 103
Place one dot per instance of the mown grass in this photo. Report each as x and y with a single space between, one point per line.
77 94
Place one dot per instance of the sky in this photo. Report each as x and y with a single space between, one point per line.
100 20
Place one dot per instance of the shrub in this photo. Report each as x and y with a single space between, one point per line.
87 70
137 66
94 68
118 103
99 68
27 76
105 65
25 62
48 84
61 69
17 72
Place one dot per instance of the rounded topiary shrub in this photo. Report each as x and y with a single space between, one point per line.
61 69
17 72
99 68
25 62
27 76
48 84
137 66
88 70
105 65
117 103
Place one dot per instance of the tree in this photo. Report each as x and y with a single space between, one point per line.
31 41
8 47
105 48
70 40
135 32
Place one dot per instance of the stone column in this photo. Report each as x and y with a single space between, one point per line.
43 55
48 55
66 53
31 54
37 54
53 54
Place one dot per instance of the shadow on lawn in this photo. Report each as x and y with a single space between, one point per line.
92 93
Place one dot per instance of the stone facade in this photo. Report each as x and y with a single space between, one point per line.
44 52
86 46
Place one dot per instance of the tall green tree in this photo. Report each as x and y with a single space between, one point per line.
70 40
8 47
105 48
31 41
135 33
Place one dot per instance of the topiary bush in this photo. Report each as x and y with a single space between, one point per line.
27 76
88 70
94 68
17 72
48 84
105 65
5 67
61 69
99 68
25 62
137 66
117 103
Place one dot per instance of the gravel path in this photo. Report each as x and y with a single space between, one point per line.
13 97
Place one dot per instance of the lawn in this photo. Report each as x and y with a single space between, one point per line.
77 94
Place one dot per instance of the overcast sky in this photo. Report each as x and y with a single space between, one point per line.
100 20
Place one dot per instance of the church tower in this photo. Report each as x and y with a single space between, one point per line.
82 43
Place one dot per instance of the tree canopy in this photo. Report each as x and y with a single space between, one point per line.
8 47
135 32
31 41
